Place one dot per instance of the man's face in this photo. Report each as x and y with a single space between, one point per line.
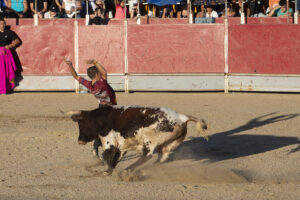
283 8
99 4
52 14
209 10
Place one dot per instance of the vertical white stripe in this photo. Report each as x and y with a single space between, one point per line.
35 19
226 55
126 55
76 53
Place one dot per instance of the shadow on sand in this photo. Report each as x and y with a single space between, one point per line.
227 145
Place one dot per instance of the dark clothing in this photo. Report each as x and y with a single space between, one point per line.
40 4
110 6
98 21
7 37
256 6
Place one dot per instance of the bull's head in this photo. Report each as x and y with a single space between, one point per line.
87 126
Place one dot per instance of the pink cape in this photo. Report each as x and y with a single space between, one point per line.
7 70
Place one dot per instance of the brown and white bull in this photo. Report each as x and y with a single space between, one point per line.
142 129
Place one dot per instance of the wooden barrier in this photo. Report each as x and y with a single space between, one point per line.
264 49
175 49
174 56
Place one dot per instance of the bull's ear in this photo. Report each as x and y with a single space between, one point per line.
75 115
76 118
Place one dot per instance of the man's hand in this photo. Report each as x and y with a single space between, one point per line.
72 70
69 63
92 61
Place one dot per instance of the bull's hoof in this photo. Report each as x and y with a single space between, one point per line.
123 175
101 161
125 172
128 175
95 153
107 173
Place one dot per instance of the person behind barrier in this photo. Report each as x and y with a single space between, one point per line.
58 4
98 18
41 7
98 86
167 11
98 5
2 5
210 13
8 40
280 10
181 9
53 13
69 8
120 11
16 8
206 15
257 8
232 11
132 7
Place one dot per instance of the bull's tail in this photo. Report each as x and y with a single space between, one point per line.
201 126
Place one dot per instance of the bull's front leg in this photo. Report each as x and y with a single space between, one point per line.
111 158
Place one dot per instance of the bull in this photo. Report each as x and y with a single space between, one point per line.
137 128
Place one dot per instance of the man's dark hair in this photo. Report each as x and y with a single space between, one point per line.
282 2
92 71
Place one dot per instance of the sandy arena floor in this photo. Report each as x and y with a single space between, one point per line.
253 151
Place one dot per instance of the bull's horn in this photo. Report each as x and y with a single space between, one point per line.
74 112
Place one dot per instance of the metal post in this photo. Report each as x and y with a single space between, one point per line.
226 13
75 11
35 16
296 12
138 21
190 13
87 17
242 13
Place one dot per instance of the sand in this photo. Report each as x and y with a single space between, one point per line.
253 151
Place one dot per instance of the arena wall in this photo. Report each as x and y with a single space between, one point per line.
159 55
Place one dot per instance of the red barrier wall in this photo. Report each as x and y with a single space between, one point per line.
175 48
159 48
264 49
43 48
103 43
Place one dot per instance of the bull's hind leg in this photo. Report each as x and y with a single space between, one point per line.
147 155
177 138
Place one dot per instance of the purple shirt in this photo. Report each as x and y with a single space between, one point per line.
101 90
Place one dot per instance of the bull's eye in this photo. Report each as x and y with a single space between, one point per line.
107 142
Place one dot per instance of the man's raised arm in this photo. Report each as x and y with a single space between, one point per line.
72 70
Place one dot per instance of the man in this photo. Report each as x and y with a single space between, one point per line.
98 86
98 18
280 10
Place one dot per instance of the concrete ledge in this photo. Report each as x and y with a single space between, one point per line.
264 83
180 82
